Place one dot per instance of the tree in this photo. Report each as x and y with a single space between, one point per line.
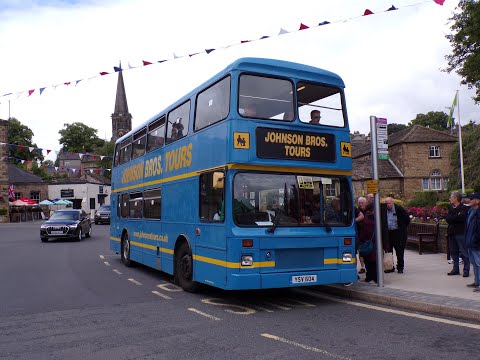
21 135
471 154
393 128
79 138
434 120
106 150
465 40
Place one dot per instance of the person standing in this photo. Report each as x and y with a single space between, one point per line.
362 204
472 238
456 217
367 233
394 222
370 198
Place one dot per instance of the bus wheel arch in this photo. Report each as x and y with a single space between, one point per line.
125 249
183 266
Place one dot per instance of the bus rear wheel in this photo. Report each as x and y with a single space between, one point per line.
126 251
184 269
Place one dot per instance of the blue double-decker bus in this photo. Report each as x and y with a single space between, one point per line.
244 183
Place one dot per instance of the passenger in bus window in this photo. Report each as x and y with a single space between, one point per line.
177 131
250 110
315 117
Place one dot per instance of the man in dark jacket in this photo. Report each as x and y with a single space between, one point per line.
456 217
394 222
472 238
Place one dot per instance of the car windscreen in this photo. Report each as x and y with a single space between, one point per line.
104 208
64 215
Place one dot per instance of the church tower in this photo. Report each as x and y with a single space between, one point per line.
121 118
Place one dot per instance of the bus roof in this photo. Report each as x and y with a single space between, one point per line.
260 65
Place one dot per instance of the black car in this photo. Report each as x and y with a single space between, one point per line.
66 223
102 216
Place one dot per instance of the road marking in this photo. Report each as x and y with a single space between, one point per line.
241 310
162 295
300 302
305 347
261 308
117 271
392 311
135 281
277 306
169 287
204 314
102 257
106 263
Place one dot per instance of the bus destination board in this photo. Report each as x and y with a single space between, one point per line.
295 145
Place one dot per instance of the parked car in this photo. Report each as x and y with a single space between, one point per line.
103 215
66 223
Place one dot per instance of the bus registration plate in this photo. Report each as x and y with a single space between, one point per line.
304 279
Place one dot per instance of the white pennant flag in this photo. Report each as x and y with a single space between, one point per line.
101 157
31 148
283 31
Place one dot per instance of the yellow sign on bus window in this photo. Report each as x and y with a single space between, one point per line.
241 140
346 149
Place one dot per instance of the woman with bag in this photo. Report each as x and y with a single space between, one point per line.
367 244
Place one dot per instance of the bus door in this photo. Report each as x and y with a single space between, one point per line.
211 247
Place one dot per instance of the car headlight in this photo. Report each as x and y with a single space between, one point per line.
43 226
73 226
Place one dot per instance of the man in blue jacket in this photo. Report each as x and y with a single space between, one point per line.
472 238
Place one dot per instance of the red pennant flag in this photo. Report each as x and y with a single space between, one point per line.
97 171
367 12
94 157
145 63
30 92
439 2
20 147
103 73
303 27
67 83
48 151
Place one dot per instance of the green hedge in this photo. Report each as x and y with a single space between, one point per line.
424 198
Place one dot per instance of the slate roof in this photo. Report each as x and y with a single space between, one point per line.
414 134
17 176
363 169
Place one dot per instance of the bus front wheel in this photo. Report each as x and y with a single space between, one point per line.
126 251
184 269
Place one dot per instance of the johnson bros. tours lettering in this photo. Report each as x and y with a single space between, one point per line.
284 144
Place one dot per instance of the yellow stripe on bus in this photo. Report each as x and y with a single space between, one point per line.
231 265
285 169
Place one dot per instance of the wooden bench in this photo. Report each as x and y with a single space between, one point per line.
423 234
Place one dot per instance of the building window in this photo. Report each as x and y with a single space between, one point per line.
18 195
445 183
434 151
436 183
425 184
330 190
35 195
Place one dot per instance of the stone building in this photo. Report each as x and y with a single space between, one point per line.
27 185
121 118
4 181
419 160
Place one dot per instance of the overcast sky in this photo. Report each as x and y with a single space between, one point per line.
390 61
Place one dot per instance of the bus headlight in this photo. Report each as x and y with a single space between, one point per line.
247 260
347 257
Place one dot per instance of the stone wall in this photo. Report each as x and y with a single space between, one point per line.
4 182
386 186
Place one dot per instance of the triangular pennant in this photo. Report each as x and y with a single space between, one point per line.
208 51
175 56
145 63
190 55
367 12
31 148
101 157
264 37
439 2
30 92
67 83
48 151
41 90
77 81
103 73
40 150
283 31
303 27
56 168
324 23
130 66
391 8
160 61
244 41
117 69
80 155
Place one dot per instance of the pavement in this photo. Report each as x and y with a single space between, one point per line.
424 286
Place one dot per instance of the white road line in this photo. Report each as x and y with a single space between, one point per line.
277 306
106 263
204 314
261 308
300 302
305 347
392 311
117 271
102 257
135 281
162 295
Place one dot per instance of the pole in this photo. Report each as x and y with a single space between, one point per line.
378 233
460 145
9 110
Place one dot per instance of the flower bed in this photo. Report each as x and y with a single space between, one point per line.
429 214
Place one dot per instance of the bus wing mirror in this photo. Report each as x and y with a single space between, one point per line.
218 177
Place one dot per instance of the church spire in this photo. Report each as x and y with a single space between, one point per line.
121 118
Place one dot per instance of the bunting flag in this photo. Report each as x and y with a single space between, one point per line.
48 151
208 51
11 192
